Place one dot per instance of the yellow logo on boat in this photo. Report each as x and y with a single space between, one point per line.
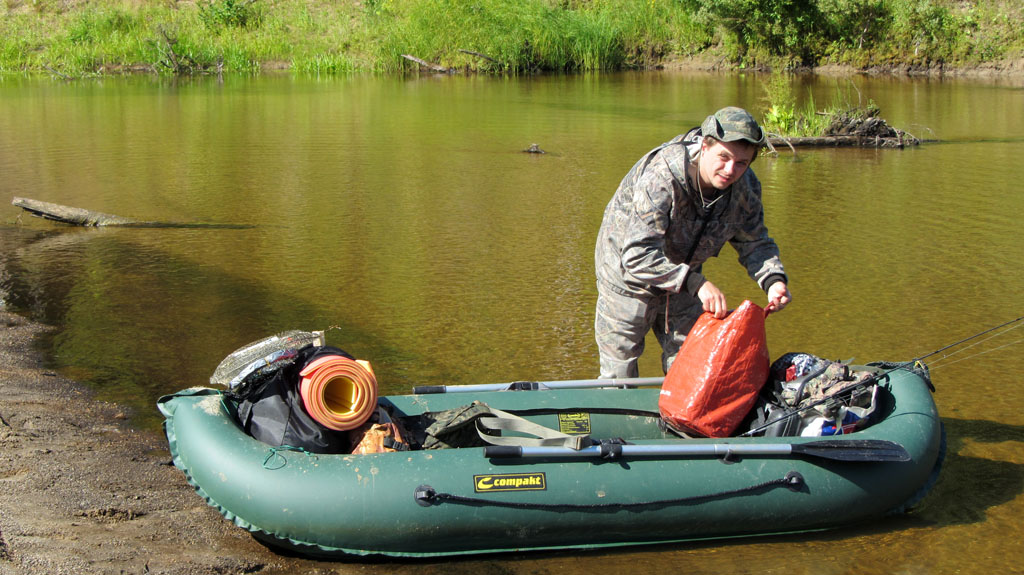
510 482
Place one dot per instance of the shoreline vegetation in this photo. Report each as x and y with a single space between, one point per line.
75 39
72 39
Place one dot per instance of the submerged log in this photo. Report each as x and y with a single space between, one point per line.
89 218
76 216
841 141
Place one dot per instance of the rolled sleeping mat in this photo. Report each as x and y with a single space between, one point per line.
340 393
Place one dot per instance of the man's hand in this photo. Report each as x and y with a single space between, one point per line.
713 299
778 297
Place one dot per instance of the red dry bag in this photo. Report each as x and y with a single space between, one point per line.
720 368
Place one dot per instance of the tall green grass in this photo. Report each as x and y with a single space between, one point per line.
520 36
78 38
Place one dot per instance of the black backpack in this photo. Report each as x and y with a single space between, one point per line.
269 406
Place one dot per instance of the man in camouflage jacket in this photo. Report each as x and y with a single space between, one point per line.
675 209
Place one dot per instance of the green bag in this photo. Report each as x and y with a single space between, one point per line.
477 425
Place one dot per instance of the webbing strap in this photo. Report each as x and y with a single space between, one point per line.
590 410
499 421
426 496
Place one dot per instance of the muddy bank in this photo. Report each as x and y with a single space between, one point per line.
81 492
1009 70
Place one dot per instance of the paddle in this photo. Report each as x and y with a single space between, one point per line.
864 450
539 385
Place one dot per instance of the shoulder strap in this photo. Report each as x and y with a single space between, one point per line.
673 142
499 421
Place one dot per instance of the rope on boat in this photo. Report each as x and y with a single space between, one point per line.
426 496
274 460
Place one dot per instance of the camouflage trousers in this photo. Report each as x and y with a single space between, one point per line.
622 323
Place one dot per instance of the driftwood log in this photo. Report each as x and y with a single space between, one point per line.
76 216
847 141
89 218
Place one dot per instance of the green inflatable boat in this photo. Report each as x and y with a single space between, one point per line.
656 488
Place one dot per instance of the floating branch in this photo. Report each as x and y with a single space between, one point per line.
428 65
898 141
69 215
56 73
479 55
89 218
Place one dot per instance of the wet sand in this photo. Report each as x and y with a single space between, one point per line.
82 492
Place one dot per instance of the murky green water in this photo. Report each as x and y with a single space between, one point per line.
401 213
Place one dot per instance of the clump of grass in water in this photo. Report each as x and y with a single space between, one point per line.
783 117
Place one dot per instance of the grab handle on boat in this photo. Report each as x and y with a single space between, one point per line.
503 451
423 389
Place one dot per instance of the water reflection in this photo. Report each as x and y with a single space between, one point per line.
402 212
977 478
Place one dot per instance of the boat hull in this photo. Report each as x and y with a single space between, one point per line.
328 505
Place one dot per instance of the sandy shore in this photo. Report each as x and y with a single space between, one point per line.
82 492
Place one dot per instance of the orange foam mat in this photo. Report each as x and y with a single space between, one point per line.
339 392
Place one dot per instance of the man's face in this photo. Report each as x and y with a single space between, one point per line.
722 163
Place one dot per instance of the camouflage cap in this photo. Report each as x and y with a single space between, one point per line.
731 124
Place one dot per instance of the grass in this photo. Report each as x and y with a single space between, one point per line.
783 116
89 37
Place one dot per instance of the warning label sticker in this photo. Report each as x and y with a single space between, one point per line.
574 423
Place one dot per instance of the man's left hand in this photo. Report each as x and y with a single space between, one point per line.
778 297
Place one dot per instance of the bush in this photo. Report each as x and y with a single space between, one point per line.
854 24
791 29
925 29
220 14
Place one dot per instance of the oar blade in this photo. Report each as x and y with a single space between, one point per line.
854 450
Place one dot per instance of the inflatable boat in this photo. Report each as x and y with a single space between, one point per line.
653 488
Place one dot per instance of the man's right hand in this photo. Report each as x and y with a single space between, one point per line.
713 299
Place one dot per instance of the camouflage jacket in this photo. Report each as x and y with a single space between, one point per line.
656 215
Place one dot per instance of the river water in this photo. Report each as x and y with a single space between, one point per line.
401 214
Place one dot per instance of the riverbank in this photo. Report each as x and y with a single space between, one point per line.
82 492
74 39
1010 69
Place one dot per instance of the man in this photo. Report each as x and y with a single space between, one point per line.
675 209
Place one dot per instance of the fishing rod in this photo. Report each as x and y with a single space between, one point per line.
962 341
875 378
